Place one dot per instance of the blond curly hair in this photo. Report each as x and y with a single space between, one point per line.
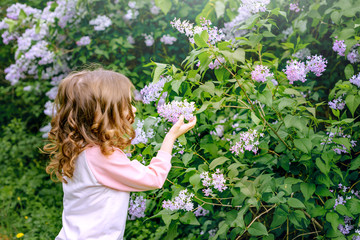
91 108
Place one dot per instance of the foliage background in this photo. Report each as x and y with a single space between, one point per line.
284 191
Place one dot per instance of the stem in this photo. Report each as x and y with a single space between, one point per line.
201 157
257 217
303 234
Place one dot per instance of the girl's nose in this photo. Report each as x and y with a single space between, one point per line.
133 109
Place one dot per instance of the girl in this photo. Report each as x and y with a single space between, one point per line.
90 128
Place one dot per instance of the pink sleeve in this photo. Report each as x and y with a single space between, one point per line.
118 172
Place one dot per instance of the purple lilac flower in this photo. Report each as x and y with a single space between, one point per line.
45 130
149 39
337 103
130 39
261 73
167 39
85 40
218 181
182 201
219 129
345 229
3 25
100 23
131 14
339 149
212 232
355 80
216 63
316 64
255 6
248 141
137 207
151 92
339 47
231 30
14 10
295 71
172 111
215 34
294 7
154 9
353 56
200 211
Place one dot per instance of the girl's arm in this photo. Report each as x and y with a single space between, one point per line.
178 129
118 172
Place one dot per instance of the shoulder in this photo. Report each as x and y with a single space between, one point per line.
94 150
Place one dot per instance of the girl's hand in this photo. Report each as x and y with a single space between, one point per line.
179 128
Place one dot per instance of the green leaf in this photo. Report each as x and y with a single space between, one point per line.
295 203
218 161
186 158
164 5
189 218
166 217
352 102
355 163
255 119
203 107
159 69
324 168
182 140
303 144
343 210
307 189
333 218
343 141
353 205
258 229
296 122
200 41
349 71
208 87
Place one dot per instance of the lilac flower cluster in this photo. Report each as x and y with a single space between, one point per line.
216 63
297 70
32 48
248 141
181 202
217 181
172 111
215 34
338 132
85 40
200 211
355 80
167 39
231 30
137 207
219 129
339 47
316 64
294 7
100 23
261 73
151 92
14 10
178 148
342 197
131 13
302 53
255 6
149 39
353 56
142 136
130 39
337 103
